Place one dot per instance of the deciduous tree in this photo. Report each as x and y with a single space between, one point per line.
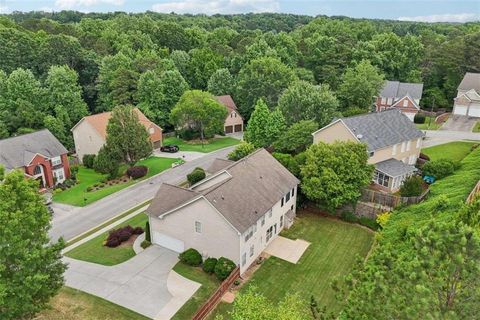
31 269
334 174
221 83
297 137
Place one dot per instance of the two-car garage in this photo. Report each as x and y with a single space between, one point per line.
233 128
473 110
168 242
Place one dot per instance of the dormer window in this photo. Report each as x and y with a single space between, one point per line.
405 103
151 130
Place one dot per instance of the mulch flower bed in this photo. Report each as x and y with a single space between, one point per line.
122 235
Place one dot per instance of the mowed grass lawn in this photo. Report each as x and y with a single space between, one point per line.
429 124
208 146
77 194
455 151
334 247
209 284
476 128
94 250
71 304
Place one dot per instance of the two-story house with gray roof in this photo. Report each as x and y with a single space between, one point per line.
39 154
400 95
235 212
393 143
467 102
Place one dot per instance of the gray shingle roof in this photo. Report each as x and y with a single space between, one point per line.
470 81
396 90
219 164
394 167
257 182
16 152
382 129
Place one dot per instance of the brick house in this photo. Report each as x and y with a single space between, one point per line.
399 95
90 133
39 154
234 121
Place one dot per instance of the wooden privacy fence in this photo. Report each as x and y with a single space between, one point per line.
390 200
473 195
211 303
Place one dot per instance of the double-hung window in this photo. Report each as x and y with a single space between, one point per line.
198 227
287 197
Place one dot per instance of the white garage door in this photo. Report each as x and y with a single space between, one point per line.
474 111
460 110
168 242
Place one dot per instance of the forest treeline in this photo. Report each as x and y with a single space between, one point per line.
57 67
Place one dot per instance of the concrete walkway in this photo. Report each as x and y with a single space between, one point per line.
145 284
287 249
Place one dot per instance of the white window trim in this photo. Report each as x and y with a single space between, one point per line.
389 101
418 142
394 150
403 146
405 103
56 161
198 226
408 145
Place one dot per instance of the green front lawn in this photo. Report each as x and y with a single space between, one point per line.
94 250
429 124
77 194
208 146
334 247
71 304
477 127
209 284
455 151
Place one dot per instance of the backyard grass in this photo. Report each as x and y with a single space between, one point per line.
476 128
71 304
455 151
78 195
94 250
334 247
429 124
209 284
209 146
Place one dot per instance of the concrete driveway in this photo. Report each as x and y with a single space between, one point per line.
185 155
144 284
436 137
459 123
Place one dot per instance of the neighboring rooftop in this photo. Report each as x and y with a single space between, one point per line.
219 164
394 167
257 182
16 152
99 121
382 129
228 102
396 89
470 81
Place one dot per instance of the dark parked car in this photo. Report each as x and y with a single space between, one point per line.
169 148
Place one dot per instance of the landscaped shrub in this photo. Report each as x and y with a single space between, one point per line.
191 257
137 172
74 172
364 221
439 168
209 265
412 186
147 232
113 242
88 160
241 151
145 244
383 218
223 268
124 235
189 134
137 230
419 118
198 174
424 156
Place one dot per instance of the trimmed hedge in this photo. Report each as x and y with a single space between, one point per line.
191 257
137 172
88 160
419 118
147 232
198 174
209 265
117 236
223 268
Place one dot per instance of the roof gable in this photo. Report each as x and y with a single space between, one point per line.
396 90
397 103
382 129
19 151
470 81
228 102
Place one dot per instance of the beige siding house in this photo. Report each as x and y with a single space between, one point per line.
90 133
233 121
235 212
467 102
392 140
